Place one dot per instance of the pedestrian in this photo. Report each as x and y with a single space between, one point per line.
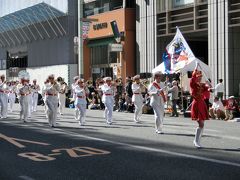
12 95
158 99
174 98
219 89
80 102
24 93
4 89
231 108
137 98
108 98
35 89
217 109
74 96
44 88
62 94
52 100
199 111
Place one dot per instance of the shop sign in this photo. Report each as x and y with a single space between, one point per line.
100 26
115 47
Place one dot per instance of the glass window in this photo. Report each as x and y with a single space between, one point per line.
101 6
177 3
99 55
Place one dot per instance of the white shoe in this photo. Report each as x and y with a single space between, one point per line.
196 144
136 121
109 123
159 132
81 123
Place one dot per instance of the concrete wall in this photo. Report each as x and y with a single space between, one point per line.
146 41
41 73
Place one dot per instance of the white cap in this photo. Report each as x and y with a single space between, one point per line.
174 82
76 77
107 79
157 73
231 97
136 77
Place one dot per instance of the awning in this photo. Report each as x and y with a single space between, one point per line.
29 24
101 42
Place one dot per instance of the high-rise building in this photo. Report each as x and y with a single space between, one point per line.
109 47
38 37
211 28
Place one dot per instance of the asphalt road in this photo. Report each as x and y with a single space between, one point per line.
124 150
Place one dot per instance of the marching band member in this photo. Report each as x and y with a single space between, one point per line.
24 93
30 99
35 88
61 94
52 100
74 96
12 95
108 99
44 88
158 99
137 98
199 111
80 101
3 96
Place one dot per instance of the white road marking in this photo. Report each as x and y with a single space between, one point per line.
57 130
25 177
148 148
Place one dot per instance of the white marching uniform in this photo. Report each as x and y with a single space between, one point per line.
44 88
80 103
137 99
108 100
4 99
30 102
74 99
11 96
52 103
62 97
35 89
157 103
24 94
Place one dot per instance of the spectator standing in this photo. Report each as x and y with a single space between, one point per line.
219 89
174 98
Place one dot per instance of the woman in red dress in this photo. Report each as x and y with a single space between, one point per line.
199 111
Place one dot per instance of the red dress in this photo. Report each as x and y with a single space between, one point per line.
199 109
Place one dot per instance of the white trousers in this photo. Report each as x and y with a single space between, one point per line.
138 110
80 116
4 104
34 102
11 99
62 101
159 114
30 105
52 106
24 107
108 112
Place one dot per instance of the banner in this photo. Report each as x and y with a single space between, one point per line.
85 29
177 54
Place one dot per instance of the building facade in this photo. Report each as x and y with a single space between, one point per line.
38 37
211 28
109 49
